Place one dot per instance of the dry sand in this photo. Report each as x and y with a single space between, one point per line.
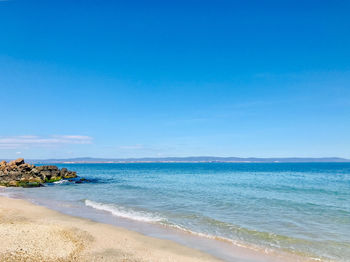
33 233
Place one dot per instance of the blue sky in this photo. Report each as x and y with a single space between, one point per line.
174 78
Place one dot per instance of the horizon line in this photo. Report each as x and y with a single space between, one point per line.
187 159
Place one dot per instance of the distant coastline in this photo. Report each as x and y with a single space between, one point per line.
200 159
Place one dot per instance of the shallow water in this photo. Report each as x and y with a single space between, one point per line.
301 208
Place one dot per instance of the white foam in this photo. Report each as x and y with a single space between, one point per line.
234 242
219 238
62 181
124 212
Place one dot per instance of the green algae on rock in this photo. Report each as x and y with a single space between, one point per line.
17 173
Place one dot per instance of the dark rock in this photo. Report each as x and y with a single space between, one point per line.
69 174
18 173
52 168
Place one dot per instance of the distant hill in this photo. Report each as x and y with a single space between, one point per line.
192 159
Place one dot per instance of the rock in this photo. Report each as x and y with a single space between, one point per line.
51 168
18 173
70 174
63 172
16 162
13 183
25 167
33 184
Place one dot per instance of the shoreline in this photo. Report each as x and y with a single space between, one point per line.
101 241
34 233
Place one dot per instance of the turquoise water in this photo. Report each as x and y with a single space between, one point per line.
303 208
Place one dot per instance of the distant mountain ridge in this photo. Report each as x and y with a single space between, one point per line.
191 159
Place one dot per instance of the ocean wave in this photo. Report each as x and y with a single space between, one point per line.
125 212
276 250
269 243
63 181
218 238
129 213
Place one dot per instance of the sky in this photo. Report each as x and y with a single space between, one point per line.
174 78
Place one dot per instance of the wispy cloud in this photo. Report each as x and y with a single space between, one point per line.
13 142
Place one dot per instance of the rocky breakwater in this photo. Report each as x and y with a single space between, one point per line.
17 173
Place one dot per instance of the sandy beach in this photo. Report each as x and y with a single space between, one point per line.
33 233
30 232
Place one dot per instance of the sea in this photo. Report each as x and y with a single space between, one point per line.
300 209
